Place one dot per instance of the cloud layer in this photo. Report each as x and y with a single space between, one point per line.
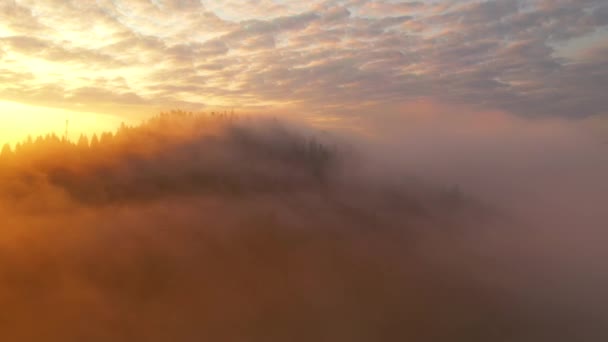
209 228
530 57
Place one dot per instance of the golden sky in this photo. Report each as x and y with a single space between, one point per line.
105 61
19 120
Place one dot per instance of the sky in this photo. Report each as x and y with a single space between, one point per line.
100 62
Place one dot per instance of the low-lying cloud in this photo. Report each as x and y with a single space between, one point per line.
194 227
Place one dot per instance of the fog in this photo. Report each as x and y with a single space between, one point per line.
194 227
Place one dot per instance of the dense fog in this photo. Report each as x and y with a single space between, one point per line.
193 227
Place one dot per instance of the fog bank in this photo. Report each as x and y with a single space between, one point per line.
192 227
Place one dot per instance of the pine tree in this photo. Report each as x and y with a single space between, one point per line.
94 141
106 138
6 152
83 141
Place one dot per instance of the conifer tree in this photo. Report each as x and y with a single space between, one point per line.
106 138
83 141
6 151
94 141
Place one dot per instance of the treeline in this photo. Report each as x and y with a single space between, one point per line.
166 130
152 131
172 153
181 153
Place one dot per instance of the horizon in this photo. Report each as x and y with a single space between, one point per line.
324 59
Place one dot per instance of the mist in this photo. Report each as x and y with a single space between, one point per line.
194 227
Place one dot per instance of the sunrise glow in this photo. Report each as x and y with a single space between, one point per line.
21 120
303 171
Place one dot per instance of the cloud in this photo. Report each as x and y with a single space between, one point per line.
187 228
322 54
383 8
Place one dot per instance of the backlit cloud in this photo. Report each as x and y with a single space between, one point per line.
528 57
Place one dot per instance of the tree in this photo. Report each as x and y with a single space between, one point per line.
106 138
83 141
6 152
122 129
94 141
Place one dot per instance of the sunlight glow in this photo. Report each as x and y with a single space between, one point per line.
20 120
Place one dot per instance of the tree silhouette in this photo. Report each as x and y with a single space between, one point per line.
106 138
83 141
6 152
94 141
